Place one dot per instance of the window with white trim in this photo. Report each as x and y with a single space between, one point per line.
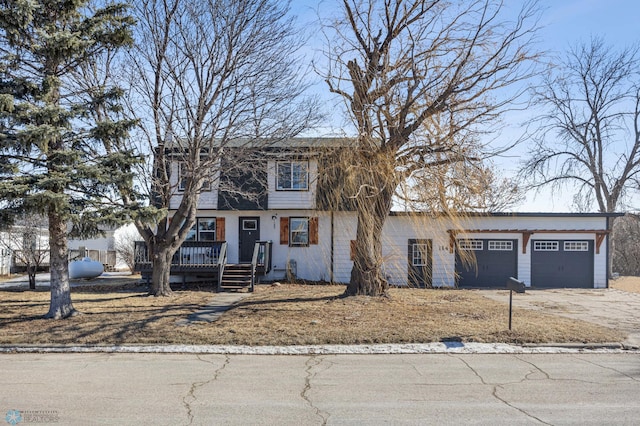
496 245
420 254
207 229
292 176
546 245
183 172
470 244
576 246
299 231
249 224
203 230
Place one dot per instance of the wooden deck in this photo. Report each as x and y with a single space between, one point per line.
192 257
205 260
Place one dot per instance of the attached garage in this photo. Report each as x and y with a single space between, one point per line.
562 263
485 262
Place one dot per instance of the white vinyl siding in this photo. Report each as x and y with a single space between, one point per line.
208 198
292 199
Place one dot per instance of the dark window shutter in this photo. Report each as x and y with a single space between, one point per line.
313 230
284 230
220 235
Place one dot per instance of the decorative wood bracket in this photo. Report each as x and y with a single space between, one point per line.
599 239
452 239
526 235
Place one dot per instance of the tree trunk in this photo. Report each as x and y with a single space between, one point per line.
366 275
161 264
60 305
31 272
373 201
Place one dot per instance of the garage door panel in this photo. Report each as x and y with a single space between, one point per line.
495 261
562 264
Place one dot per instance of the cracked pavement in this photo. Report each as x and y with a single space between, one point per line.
447 388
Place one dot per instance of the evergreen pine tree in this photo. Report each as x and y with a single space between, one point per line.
56 158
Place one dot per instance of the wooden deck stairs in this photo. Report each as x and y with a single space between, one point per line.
237 276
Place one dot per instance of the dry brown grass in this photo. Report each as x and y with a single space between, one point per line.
121 313
630 284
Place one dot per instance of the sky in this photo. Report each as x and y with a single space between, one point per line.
564 23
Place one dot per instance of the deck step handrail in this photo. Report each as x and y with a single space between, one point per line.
263 260
222 261
254 262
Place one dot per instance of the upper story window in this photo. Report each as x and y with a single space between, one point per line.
293 176
183 172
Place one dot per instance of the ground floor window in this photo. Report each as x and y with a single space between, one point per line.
299 231
420 254
203 230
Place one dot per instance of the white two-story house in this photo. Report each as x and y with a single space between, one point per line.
306 240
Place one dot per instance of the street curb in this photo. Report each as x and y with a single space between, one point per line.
375 349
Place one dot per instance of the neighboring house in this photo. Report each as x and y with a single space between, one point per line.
22 246
302 238
21 243
5 261
100 248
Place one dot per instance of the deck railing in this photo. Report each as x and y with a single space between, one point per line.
191 255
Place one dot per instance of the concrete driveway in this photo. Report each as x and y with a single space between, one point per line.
611 308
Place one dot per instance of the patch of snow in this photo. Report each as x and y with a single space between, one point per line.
373 349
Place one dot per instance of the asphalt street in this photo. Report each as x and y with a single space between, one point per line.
198 389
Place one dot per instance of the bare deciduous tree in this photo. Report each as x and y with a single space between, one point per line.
626 259
588 136
401 67
459 188
209 77
124 245
28 241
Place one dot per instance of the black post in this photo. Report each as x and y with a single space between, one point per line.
510 304
513 285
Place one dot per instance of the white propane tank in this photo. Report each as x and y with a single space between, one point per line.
85 268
